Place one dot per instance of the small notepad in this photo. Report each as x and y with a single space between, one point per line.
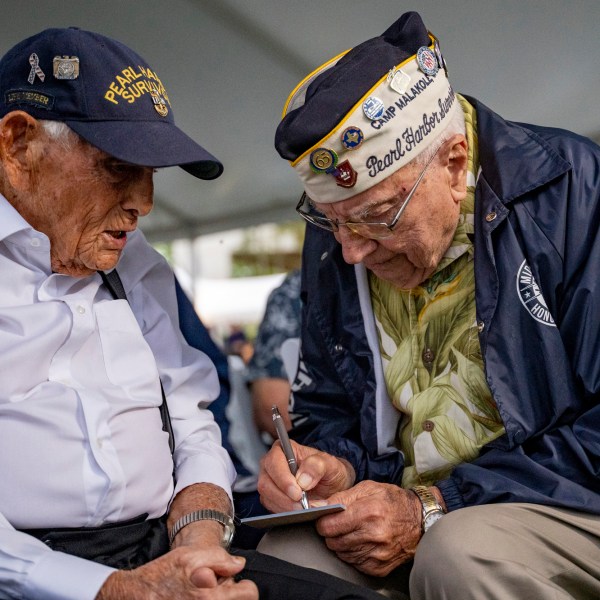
293 516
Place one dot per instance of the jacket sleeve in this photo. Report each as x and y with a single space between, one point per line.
546 378
333 395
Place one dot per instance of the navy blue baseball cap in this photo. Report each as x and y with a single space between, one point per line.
103 91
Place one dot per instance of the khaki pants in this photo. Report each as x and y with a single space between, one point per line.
492 552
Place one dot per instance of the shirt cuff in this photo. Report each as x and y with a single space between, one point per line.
60 576
202 468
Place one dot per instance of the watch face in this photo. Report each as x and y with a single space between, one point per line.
432 518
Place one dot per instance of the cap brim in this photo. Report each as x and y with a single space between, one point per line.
150 144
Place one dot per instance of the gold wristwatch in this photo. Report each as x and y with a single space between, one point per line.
432 510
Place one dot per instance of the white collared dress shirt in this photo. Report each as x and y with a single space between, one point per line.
81 439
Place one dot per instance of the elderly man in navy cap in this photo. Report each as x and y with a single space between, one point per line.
110 489
448 392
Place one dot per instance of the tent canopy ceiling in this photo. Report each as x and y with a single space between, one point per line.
229 65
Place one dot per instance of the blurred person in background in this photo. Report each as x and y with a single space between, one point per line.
266 373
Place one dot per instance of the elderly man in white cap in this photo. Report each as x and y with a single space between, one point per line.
448 392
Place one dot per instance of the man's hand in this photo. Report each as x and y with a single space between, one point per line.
196 567
184 573
319 473
378 531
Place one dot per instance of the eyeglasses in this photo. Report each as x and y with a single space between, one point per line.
376 231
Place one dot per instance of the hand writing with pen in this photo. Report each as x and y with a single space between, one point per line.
381 526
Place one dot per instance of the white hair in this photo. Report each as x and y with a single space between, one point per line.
456 125
60 132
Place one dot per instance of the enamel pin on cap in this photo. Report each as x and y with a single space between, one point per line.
398 80
323 160
373 108
345 175
36 70
427 61
352 138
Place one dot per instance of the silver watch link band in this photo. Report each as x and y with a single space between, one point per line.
204 515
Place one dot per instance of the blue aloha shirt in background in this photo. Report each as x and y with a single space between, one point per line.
280 322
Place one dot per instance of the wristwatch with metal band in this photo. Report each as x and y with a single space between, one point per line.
432 510
203 515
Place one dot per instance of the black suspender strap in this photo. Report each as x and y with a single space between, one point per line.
114 284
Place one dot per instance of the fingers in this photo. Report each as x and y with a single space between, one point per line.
273 497
185 573
216 560
225 588
278 488
203 577
319 473
215 577
325 475
378 530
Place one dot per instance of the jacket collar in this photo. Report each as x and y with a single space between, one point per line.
513 158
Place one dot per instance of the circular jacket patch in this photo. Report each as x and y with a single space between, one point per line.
531 297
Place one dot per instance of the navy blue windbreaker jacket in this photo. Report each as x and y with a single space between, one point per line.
537 272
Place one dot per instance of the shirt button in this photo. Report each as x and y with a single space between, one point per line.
338 348
35 242
324 255
480 326
428 357
490 216
81 309
428 425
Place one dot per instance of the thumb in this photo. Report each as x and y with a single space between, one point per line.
220 565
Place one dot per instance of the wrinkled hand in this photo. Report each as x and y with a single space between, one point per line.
378 531
319 473
183 573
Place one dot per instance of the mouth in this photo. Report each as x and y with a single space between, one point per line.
116 238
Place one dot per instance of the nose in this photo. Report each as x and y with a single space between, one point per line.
354 246
139 197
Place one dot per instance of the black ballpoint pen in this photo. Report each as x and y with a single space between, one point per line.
284 440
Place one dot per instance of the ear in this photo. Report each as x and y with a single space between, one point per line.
456 157
19 132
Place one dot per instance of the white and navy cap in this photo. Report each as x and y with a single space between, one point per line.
105 92
366 113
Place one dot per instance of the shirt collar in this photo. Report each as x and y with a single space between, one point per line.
11 221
